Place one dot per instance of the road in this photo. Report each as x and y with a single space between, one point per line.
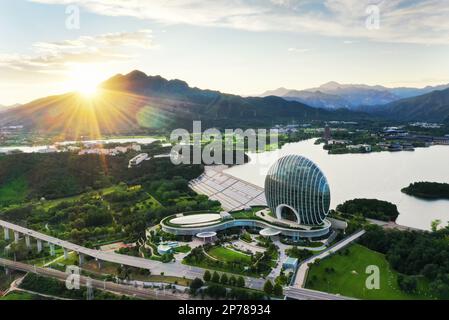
306 294
301 274
176 269
142 293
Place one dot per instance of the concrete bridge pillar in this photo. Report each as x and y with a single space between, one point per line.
6 233
16 237
52 249
39 246
66 253
81 259
28 241
99 264
7 271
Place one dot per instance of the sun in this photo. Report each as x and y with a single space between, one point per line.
84 79
87 90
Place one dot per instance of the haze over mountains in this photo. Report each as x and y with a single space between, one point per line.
128 103
333 95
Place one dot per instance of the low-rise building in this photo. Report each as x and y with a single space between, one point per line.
138 159
290 263
363 147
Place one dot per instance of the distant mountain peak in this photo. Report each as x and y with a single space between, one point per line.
137 74
331 85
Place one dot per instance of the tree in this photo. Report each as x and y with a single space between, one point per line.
216 291
435 224
430 271
215 277
207 276
407 284
277 290
232 281
240 282
224 279
268 287
196 284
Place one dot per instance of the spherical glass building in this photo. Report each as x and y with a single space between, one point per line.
297 190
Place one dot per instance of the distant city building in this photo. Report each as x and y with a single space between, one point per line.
340 142
441 140
327 133
364 147
91 148
426 125
48 150
395 147
408 147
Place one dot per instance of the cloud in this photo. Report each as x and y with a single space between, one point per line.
298 50
407 21
53 57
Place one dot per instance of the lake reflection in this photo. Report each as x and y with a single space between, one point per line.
376 175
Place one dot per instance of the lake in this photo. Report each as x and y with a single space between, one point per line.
379 175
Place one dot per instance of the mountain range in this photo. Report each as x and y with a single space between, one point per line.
136 102
333 95
130 102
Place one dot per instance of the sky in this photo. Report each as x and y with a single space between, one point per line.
236 46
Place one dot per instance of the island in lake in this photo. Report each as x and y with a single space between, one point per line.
428 190
370 208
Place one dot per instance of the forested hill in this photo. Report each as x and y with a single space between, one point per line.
433 107
129 103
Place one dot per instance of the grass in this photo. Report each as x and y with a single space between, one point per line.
150 203
349 276
224 260
19 295
227 255
250 214
182 249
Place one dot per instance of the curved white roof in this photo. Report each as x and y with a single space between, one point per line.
268 232
208 234
196 218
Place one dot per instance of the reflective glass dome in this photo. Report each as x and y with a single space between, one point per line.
297 190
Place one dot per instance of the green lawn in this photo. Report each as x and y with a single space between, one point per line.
250 214
349 276
228 255
182 249
18 295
